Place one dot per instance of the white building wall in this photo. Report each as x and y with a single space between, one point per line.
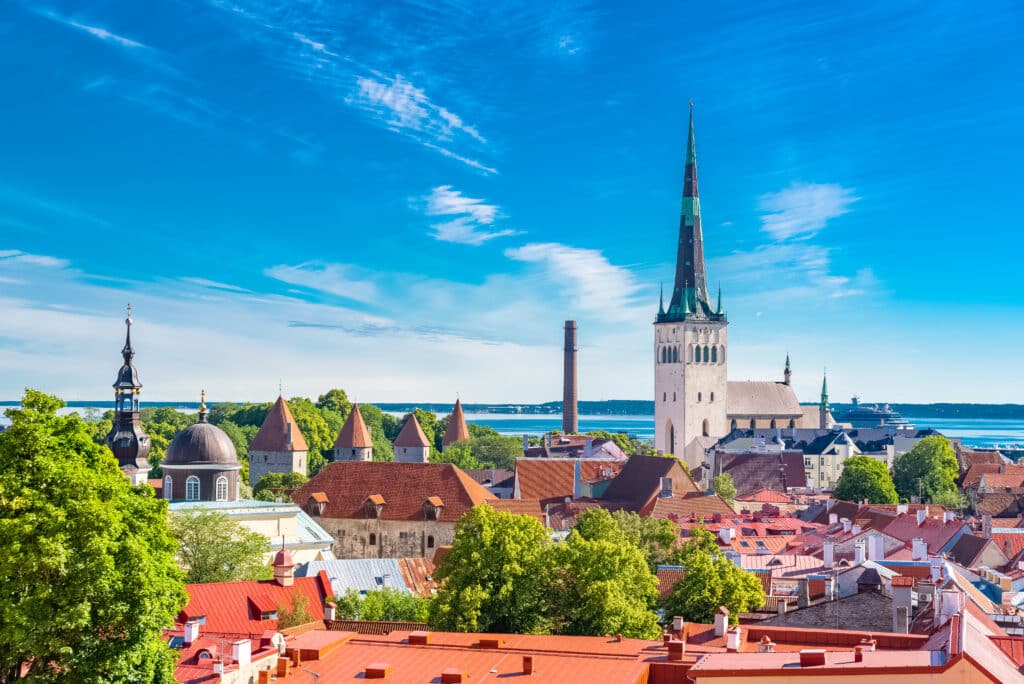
263 462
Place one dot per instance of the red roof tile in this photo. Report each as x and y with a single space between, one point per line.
411 434
549 479
934 531
457 430
354 434
404 486
279 431
765 495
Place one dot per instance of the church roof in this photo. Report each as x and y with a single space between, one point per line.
759 398
202 443
457 430
354 433
279 431
412 434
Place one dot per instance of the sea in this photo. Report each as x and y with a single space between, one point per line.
978 432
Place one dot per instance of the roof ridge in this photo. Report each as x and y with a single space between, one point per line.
279 432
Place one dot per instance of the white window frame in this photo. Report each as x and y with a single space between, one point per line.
192 482
222 483
168 487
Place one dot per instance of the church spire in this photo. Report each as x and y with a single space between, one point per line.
787 374
690 289
126 438
824 390
661 301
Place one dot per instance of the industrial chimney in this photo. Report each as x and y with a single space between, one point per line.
570 418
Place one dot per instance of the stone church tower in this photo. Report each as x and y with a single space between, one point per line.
690 342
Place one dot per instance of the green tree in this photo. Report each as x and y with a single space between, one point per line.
600 583
269 486
724 487
319 437
348 605
868 478
492 579
393 604
460 453
428 422
215 548
496 451
295 613
710 580
928 470
87 575
335 400
655 537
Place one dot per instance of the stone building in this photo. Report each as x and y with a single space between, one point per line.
279 446
389 510
457 430
354 442
411 445
201 463
126 438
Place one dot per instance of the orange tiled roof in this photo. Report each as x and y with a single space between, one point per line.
457 430
404 486
354 434
411 434
531 507
934 531
548 479
765 495
279 431
972 478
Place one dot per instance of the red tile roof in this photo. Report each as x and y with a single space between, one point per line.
972 478
457 430
934 531
279 431
354 434
531 507
551 479
765 495
639 479
411 434
234 607
404 486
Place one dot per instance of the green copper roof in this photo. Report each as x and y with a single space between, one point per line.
824 389
691 144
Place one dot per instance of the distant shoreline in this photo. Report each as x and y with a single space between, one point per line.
618 407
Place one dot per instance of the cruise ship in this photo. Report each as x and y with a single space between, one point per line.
875 415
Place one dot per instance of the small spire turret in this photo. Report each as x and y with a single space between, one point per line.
126 438
787 374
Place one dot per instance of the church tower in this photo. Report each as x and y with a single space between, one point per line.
690 341
824 410
126 439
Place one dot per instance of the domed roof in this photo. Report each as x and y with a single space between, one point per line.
202 443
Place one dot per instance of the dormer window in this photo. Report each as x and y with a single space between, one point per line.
268 615
432 508
317 503
374 506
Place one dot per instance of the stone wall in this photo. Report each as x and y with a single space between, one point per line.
391 538
263 462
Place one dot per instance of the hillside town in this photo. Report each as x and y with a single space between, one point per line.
757 537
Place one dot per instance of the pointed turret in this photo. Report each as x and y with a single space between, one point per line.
825 420
126 438
457 430
354 443
279 446
824 390
690 291
718 309
411 445
661 301
787 374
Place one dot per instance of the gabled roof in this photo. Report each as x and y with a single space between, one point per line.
457 430
972 478
407 575
404 487
934 531
967 549
549 479
764 495
640 479
354 434
279 431
233 607
411 434
757 471
767 399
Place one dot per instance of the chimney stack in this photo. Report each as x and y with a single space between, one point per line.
191 631
829 553
721 621
570 418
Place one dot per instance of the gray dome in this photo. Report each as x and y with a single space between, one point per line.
202 443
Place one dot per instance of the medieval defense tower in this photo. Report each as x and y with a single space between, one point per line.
690 342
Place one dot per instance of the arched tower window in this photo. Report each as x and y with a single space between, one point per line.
712 397
673 396
222 489
792 423
753 424
733 426
670 440
662 356
707 428
707 355
698 396
675 354
192 488
664 396
772 425
714 355
168 492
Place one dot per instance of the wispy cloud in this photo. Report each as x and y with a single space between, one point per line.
592 283
802 209
99 32
20 201
16 256
341 280
213 284
473 217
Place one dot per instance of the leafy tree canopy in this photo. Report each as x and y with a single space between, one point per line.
868 478
927 470
460 454
215 548
295 613
269 486
654 537
724 487
335 400
87 573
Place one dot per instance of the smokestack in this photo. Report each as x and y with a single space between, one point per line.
570 418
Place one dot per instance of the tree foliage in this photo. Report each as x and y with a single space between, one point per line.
294 613
460 454
215 548
655 537
87 574
868 478
270 485
929 469
710 581
335 400
724 487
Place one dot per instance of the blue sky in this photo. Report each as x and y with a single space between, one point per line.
407 199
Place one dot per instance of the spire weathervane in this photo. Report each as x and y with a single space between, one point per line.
202 405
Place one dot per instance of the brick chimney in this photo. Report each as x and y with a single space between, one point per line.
901 591
570 417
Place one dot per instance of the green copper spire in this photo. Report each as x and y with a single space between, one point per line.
718 309
824 389
691 143
661 301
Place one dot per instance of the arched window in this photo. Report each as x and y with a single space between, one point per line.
712 397
430 541
670 447
661 356
673 396
707 428
222 489
753 423
192 488
373 539
772 425
168 487
664 396
792 423
714 355
675 354
707 354
733 426
698 396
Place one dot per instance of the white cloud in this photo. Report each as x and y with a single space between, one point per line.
593 283
803 209
104 34
472 217
336 279
15 256
213 284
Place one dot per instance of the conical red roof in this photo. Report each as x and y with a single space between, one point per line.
412 434
457 430
354 433
279 431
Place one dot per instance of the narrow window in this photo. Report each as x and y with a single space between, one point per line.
675 354
373 539
168 487
664 396
430 541
733 425
673 396
792 423
714 355
707 428
707 354
698 396
753 424
222 488
712 396
772 424
192 488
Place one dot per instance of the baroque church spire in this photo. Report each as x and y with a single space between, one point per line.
787 374
126 438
